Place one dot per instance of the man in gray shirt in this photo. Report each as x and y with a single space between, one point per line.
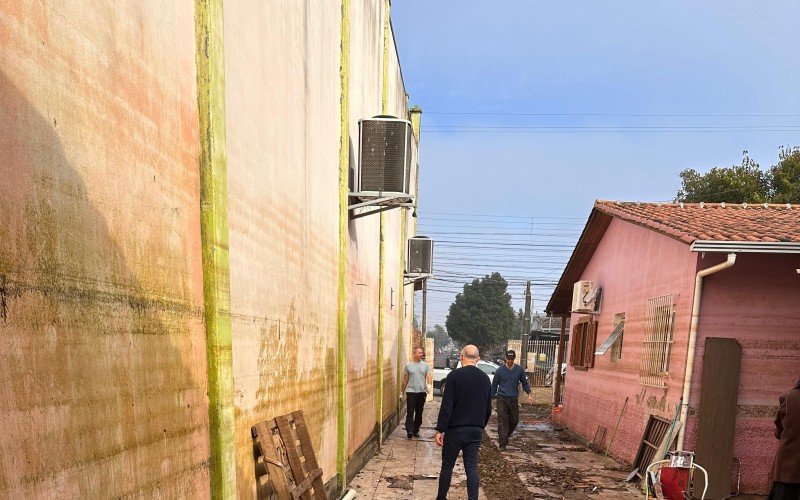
416 377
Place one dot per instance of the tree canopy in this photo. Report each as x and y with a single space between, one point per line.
439 336
482 313
745 183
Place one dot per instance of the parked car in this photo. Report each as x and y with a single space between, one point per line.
439 374
486 367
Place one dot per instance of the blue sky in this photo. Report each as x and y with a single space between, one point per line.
613 66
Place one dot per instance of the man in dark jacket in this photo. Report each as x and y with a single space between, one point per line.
465 410
786 474
505 387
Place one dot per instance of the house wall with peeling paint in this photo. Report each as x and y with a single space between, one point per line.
632 264
102 346
755 302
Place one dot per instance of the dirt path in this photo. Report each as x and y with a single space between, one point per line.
543 462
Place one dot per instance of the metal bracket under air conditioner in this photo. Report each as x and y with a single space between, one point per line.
413 278
385 203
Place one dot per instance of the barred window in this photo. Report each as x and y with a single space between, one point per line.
659 320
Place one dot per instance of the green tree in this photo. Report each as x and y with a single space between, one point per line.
785 177
439 336
745 183
482 313
519 324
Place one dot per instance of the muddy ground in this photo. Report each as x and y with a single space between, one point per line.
542 461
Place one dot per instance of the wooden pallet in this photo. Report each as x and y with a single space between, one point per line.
654 434
286 466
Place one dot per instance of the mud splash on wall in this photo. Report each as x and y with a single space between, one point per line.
104 391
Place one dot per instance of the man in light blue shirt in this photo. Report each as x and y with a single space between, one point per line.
416 377
505 388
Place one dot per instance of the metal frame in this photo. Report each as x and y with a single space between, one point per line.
383 204
416 277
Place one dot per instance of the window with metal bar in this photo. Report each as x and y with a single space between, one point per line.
659 320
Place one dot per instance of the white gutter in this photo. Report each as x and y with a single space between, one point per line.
687 376
745 246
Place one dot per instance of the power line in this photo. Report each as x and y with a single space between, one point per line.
616 131
649 115
529 221
527 217
501 233
609 127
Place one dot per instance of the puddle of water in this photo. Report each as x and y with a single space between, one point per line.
538 427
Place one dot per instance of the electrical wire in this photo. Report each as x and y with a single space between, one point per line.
648 115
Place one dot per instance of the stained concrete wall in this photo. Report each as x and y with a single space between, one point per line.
101 275
283 148
632 264
366 52
102 355
283 134
755 302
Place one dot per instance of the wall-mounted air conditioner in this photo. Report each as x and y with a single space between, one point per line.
419 263
586 297
384 160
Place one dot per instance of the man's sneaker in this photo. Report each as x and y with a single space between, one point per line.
416 434
502 447
409 435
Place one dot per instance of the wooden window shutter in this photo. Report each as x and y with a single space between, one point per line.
573 342
591 341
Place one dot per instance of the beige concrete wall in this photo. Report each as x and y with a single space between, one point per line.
102 358
283 119
366 48
282 82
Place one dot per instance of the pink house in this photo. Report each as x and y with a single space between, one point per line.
651 268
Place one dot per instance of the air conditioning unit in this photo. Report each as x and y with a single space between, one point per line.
419 263
586 297
384 159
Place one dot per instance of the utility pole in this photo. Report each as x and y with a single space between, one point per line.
559 362
526 326
424 313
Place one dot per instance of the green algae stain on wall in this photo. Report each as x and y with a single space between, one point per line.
214 229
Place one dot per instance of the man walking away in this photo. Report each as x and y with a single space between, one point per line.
505 387
465 410
416 376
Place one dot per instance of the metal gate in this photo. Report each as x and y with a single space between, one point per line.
541 358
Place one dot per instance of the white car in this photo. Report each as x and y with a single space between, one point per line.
486 367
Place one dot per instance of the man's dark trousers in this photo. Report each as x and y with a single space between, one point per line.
415 402
468 440
507 418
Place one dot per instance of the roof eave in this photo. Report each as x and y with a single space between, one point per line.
561 300
745 246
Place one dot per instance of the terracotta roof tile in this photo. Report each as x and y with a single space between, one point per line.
711 221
